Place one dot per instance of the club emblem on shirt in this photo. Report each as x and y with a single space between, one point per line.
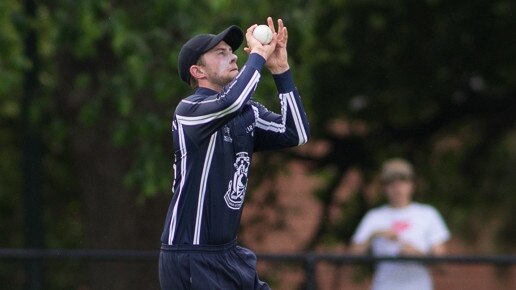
234 197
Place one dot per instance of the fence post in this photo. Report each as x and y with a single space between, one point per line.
31 164
310 261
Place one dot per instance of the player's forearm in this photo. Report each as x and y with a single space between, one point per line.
230 101
284 81
297 120
256 61
244 84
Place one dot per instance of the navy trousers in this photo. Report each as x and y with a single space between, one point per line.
194 267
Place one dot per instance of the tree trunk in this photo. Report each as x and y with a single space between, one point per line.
113 217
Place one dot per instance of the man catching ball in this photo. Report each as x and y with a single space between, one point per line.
215 132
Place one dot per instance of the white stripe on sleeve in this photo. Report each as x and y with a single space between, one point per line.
301 132
202 188
182 147
197 120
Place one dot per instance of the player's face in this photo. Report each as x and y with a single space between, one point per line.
399 192
220 64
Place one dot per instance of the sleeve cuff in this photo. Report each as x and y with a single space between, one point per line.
256 61
284 82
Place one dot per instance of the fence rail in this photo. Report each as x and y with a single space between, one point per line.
309 260
149 255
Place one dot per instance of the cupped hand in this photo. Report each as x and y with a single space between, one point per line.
278 61
254 46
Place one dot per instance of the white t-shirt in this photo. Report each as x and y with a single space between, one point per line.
417 224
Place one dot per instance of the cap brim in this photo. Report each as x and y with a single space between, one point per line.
232 35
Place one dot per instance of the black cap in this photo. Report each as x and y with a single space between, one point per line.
198 45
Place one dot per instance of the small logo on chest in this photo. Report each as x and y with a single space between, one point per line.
227 134
400 226
249 129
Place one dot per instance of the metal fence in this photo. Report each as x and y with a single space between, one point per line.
308 260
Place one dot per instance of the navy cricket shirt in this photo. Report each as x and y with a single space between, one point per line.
214 136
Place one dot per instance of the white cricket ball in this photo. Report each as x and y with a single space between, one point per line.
263 34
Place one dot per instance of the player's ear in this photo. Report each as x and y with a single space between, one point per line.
197 71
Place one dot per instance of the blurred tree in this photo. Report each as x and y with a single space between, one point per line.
12 66
109 87
433 81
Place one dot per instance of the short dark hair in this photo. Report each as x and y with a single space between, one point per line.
396 169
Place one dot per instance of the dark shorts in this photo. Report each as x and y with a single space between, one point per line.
224 267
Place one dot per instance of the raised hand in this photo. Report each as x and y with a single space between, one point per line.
277 62
409 250
387 234
253 45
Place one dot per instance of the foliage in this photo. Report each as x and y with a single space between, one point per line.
433 82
